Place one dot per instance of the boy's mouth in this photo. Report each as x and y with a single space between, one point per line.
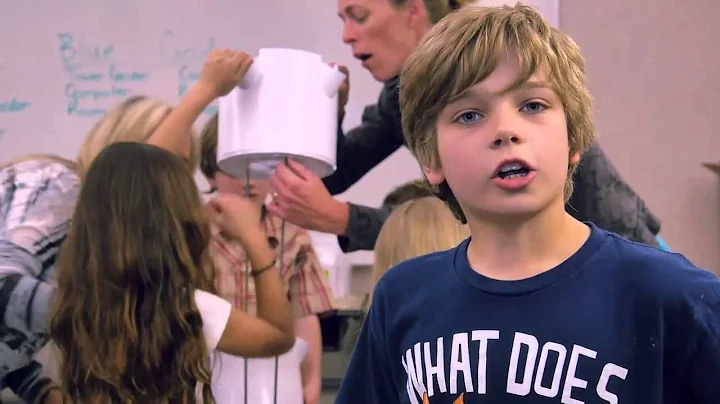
512 169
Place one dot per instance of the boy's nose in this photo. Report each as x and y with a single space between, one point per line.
506 138
507 130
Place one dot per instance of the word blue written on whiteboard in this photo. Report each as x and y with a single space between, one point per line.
94 75
13 106
81 51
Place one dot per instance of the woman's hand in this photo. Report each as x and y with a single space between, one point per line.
300 197
238 217
223 70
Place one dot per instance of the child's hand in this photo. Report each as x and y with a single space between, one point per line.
237 217
223 70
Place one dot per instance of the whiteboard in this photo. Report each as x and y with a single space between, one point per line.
64 64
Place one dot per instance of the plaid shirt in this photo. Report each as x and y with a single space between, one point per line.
37 198
303 277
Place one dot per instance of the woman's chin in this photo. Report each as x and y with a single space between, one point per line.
383 78
378 73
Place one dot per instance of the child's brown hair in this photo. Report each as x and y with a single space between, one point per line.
124 316
463 49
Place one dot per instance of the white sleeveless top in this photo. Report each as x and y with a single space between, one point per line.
228 374
215 313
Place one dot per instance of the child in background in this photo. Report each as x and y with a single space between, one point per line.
536 306
417 227
37 197
303 277
406 192
134 316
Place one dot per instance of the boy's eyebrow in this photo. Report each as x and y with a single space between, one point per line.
476 94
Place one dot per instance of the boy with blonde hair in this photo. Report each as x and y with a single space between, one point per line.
535 307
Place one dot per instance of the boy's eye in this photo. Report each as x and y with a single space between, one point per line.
468 117
533 107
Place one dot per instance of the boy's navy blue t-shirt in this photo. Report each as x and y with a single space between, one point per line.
618 322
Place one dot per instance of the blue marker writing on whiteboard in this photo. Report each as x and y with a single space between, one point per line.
116 74
13 106
74 50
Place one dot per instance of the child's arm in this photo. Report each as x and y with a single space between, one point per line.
308 328
221 73
271 331
38 201
239 333
30 383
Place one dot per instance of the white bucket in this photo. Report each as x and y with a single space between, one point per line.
286 107
228 384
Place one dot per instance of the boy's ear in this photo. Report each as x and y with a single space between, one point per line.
434 175
575 159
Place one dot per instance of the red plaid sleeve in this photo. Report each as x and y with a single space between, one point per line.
308 290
